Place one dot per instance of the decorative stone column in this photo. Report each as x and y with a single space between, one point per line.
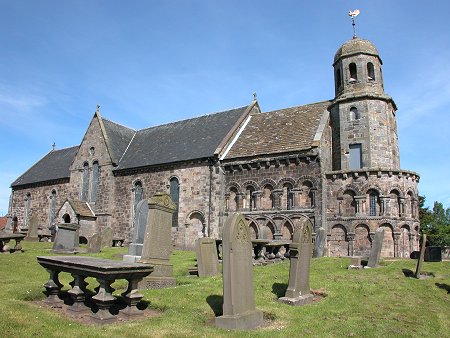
339 201
227 201
313 197
359 204
276 193
296 199
383 204
257 196
412 237
397 244
401 206
351 243
239 201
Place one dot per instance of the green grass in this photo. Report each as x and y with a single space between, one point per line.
369 303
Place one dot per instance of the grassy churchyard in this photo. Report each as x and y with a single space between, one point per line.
370 303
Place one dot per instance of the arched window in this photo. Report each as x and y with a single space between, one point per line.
95 180
370 72
66 218
372 203
138 192
338 78
354 114
52 210
353 72
175 196
250 197
85 186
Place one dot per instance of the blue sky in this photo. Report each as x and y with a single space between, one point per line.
152 62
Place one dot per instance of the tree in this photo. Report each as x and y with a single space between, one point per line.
435 224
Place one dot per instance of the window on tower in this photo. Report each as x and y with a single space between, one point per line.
354 114
338 78
370 72
353 72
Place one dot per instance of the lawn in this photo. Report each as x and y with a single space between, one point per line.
369 303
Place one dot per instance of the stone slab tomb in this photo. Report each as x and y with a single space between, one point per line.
207 260
239 311
67 240
138 232
421 257
375 252
300 250
33 225
157 246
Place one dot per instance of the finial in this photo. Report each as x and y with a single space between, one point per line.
354 14
254 97
97 110
53 146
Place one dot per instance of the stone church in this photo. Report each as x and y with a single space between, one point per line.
333 163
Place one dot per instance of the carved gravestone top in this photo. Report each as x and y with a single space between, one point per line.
421 257
375 252
239 310
207 260
32 234
300 250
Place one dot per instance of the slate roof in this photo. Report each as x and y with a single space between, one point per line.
55 165
118 138
81 208
279 131
180 141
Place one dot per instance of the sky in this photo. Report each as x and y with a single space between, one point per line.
149 62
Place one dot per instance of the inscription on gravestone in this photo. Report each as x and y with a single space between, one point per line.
375 252
239 311
298 292
207 260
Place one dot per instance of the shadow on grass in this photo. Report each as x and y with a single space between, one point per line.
216 303
279 289
443 286
408 273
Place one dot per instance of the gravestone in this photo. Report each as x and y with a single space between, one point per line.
32 233
137 238
94 243
421 257
320 242
68 239
355 263
239 311
207 260
298 292
158 242
106 237
375 252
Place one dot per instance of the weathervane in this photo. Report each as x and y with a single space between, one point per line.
53 146
97 110
254 97
354 14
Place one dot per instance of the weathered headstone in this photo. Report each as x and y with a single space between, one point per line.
320 242
158 242
106 237
94 243
207 260
355 263
137 238
421 257
239 311
32 234
67 240
298 292
375 252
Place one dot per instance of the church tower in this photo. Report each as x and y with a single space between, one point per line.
362 116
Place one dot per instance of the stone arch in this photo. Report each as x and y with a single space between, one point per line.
252 184
267 198
253 227
232 199
299 220
373 202
233 185
195 223
404 244
363 243
394 202
285 180
348 203
304 178
387 249
66 218
268 181
268 230
287 230
287 196
338 241
249 200
409 203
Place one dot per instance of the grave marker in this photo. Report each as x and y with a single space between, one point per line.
138 234
68 238
94 243
32 233
207 260
421 257
239 312
298 292
320 242
375 252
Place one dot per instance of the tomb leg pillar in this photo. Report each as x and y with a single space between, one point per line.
78 293
104 300
132 298
53 286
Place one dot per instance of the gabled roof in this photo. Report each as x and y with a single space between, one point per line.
279 131
80 208
180 141
55 165
117 138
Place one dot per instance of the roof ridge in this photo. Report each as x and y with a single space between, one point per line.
303 105
119 124
193 118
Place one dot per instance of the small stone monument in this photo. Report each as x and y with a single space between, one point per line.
32 234
421 257
298 292
320 242
140 225
68 239
355 263
94 243
207 260
239 311
106 237
375 252
157 245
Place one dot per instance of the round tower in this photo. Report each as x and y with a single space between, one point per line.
362 115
